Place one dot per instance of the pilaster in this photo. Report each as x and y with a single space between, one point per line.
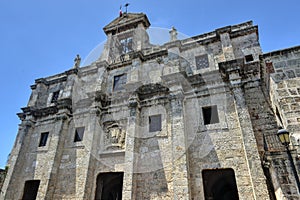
24 129
85 166
52 156
129 163
224 34
179 149
233 72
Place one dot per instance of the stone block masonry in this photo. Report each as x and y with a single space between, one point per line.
189 119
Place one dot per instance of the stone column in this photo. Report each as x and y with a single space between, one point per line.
129 164
86 165
179 148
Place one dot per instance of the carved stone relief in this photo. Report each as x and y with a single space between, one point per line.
114 137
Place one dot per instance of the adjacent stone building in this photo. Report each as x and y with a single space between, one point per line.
190 119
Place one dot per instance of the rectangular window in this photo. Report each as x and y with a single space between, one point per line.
210 115
79 134
126 45
119 82
31 189
43 139
249 58
54 96
202 61
154 123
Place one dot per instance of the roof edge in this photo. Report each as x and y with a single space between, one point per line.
282 51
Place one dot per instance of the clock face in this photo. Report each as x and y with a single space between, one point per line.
202 61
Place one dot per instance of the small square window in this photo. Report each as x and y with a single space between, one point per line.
202 61
154 123
249 58
119 82
210 115
79 134
54 96
43 139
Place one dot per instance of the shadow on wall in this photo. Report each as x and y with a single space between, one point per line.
201 153
150 179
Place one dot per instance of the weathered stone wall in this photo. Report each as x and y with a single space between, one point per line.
160 80
283 67
282 176
281 78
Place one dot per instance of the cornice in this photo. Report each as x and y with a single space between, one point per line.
61 104
214 36
281 52
143 56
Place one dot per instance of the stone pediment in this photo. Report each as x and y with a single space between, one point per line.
126 21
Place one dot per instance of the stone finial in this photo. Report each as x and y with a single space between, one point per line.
77 61
173 34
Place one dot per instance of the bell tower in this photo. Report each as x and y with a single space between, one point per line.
125 34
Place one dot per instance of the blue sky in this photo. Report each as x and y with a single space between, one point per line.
41 38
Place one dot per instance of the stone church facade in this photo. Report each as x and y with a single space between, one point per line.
190 119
